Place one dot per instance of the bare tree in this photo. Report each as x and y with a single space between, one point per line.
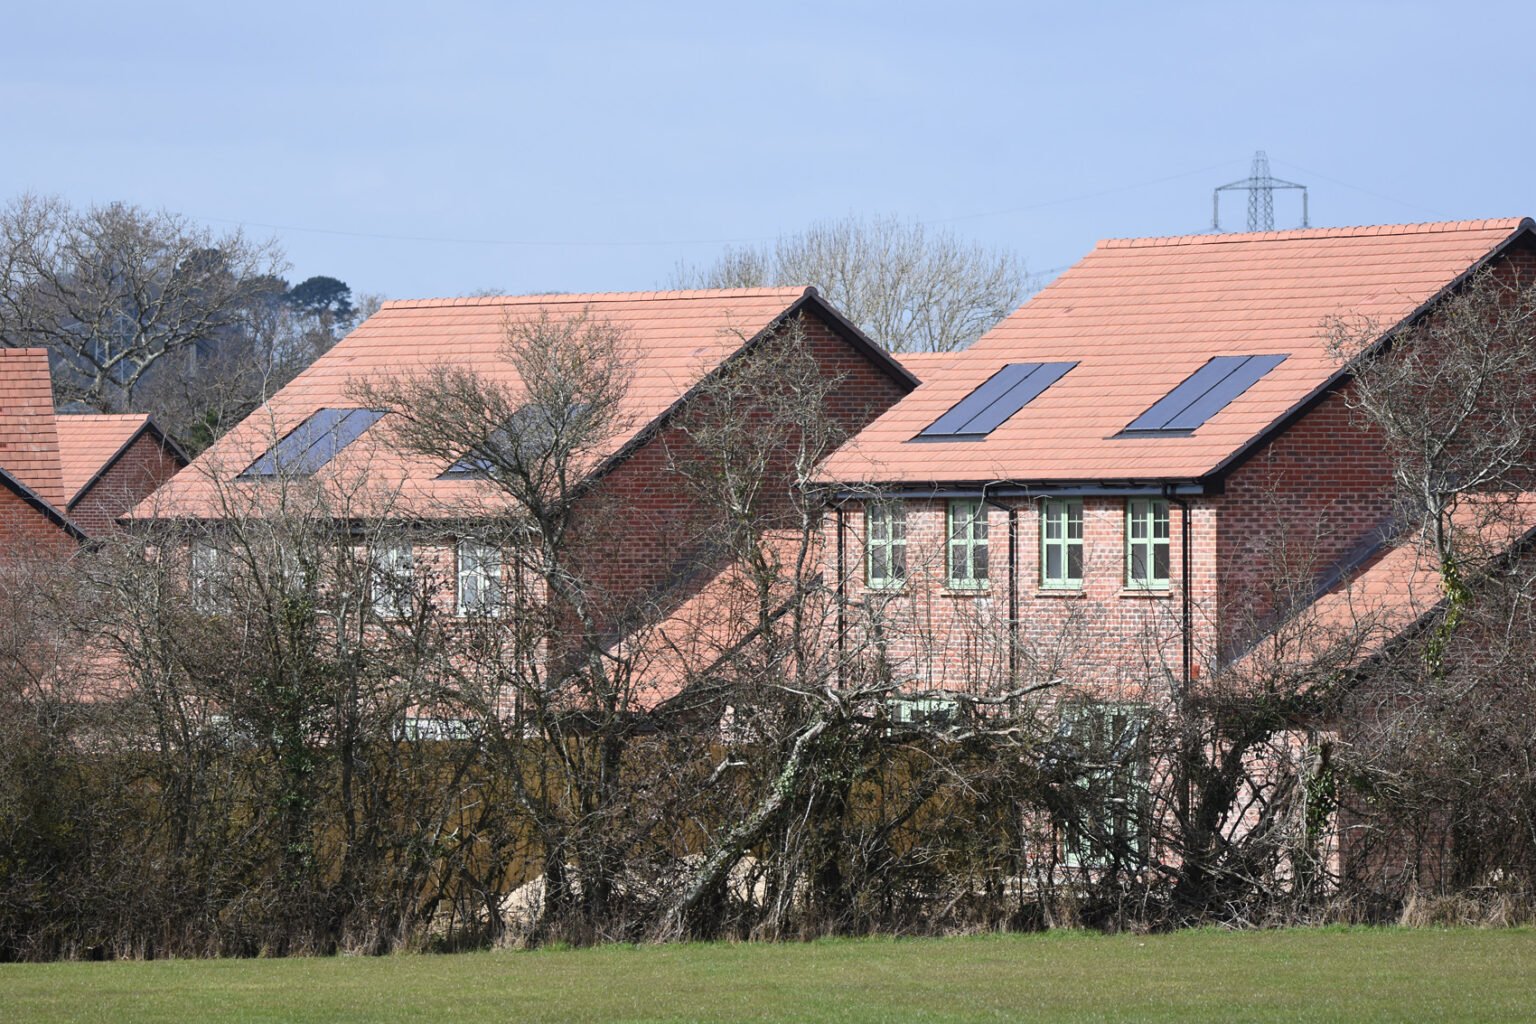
911 288
1453 398
122 296
552 693
1442 756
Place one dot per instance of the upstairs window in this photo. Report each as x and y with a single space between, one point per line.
479 578
994 401
967 532
1061 543
1202 395
313 443
885 544
392 580
1146 543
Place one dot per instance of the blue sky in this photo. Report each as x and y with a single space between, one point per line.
441 148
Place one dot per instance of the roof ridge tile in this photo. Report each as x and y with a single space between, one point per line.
1353 231
568 297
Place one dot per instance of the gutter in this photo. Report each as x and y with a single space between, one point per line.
1104 489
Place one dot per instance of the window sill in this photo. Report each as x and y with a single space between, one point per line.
1148 593
885 588
953 591
1068 592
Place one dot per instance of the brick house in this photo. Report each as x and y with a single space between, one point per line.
65 479
1106 487
1128 485
636 540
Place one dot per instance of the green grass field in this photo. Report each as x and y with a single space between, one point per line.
1328 975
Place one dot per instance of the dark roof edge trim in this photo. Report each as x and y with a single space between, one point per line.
1019 489
148 426
42 504
1526 229
810 298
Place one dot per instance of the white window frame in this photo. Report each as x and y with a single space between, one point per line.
391 580
205 576
1147 530
885 533
1060 518
973 543
478 577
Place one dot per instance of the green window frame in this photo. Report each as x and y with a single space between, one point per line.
1061 543
966 528
1146 543
885 545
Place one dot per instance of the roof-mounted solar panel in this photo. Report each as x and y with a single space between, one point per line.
1203 394
313 443
990 405
532 432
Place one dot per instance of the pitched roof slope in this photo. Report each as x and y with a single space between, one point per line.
29 440
89 442
922 364
675 337
1138 316
1390 592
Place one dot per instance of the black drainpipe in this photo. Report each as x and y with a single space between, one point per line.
842 590
1013 586
1186 611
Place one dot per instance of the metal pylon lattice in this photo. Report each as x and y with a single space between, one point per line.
1260 186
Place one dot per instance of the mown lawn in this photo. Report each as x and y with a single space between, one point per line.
1326 975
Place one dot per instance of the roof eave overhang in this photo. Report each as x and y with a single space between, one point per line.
1024 489
42 505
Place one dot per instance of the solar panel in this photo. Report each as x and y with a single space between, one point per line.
1203 394
315 442
531 433
995 400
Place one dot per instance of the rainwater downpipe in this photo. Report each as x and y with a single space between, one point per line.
1186 611
1013 586
842 589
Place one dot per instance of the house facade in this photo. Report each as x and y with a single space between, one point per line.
1119 483
640 539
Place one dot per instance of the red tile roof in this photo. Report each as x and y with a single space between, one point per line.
29 440
1139 316
89 443
676 337
921 364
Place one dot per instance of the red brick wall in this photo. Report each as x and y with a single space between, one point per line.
642 525
134 476
27 533
1314 496
1104 636
1301 504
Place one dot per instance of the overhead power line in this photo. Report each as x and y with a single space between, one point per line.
639 243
